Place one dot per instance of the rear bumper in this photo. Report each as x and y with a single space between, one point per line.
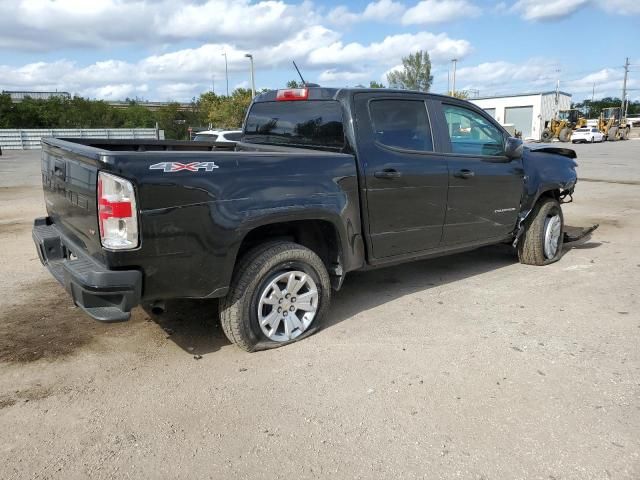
106 295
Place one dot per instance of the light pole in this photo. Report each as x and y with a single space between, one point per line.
453 88
226 71
253 78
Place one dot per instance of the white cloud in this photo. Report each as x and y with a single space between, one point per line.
439 11
541 10
507 77
536 74
440 47
48 25
341 77
621 7
377 11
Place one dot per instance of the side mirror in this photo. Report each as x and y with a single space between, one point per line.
513 148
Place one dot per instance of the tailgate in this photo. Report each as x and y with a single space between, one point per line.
69 182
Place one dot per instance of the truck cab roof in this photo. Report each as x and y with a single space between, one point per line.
331 93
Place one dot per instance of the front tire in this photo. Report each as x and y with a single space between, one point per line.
541 242
279 294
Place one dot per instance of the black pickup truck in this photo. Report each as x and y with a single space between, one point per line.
325 181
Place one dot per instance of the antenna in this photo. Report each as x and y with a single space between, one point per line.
298 70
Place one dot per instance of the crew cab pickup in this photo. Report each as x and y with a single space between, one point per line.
323 182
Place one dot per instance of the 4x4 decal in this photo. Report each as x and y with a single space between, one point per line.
171 167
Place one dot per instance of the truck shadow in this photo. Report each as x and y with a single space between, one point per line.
367 290
195 327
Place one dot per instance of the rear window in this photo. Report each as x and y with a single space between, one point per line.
205 138
234 136
301 123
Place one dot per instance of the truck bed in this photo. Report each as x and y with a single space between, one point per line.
192 219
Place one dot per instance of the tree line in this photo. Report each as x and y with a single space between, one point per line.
77 112
219 111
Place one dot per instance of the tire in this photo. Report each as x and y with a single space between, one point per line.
246 301
564 135
531 246
612 134
546 135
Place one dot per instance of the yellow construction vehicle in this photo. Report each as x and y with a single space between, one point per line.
612 125
563 125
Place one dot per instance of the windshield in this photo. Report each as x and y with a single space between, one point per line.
315 123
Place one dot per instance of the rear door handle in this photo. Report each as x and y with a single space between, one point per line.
387 173
464 173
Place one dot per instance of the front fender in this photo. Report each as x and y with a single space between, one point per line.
547 170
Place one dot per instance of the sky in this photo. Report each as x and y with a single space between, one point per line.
164 50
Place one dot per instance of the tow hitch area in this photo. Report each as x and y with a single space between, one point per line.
575 234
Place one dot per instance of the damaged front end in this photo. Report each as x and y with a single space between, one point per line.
549 171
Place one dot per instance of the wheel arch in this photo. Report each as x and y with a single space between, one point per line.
335 242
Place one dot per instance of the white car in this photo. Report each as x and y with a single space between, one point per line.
587 134
219 136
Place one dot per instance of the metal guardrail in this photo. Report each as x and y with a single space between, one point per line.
19 139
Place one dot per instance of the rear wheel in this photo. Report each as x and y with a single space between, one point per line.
541 242
279 294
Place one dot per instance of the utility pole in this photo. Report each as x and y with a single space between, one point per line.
453 88
593 94
226 71
213 84
253 78
624 85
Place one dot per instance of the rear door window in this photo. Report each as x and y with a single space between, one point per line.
401 124
472 134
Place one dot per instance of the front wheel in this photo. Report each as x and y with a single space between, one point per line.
279 294
565 134
541 242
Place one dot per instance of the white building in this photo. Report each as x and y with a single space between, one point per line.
526 112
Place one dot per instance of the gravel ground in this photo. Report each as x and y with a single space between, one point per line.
471 366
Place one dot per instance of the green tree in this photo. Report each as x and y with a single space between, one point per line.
463 94
374 84
7 111
226 112
415 73
593 109
294 84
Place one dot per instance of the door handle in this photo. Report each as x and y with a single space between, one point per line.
464 173
387 173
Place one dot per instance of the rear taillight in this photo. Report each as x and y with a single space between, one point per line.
293 94
117 214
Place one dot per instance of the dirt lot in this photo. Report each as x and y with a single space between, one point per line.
471 366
